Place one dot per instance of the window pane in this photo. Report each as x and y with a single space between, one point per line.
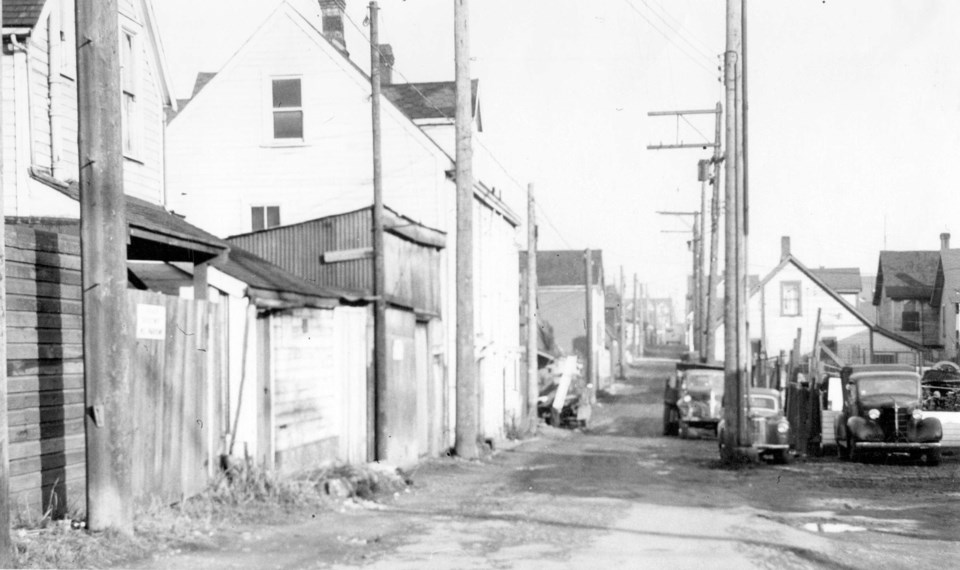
273 216
911 321
286 93
126 63
257 218
288 125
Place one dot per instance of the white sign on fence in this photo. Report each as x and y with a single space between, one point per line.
151 322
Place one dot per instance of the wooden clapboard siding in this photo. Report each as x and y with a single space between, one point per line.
354 359
44 369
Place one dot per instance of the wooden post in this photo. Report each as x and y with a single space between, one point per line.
381 434
467 395
623 325
6 547
533 327
103 234
588 289
637 350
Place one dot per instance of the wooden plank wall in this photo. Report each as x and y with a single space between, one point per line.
177 387
176 383
44 371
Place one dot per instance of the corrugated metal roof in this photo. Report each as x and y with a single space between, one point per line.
907 274
21 13
840 279
435 100
561 268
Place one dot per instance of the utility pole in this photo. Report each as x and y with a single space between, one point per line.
714 236
695 293
103 235
379 415
533 326
733 358
637 347
623 325
701 301
588 288
6 546
467 395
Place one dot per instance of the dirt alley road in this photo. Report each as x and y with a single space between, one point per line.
623 495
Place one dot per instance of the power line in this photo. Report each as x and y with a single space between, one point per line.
702 49
699 62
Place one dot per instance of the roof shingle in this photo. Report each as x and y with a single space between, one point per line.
907 274
21 13
840 279
436 100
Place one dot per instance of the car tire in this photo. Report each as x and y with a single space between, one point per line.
782 457
843 452
930 458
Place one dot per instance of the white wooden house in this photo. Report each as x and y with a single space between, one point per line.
790 298
282 134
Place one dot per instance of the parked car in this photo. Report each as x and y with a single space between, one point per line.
882 413
768 431
691 398
941 388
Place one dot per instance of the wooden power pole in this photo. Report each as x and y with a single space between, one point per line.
733 283
379 420
622 310
588 289
467 395
6 547
103 235
710 335
637 346
533 327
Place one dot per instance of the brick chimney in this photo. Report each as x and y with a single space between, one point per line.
333 14
784 247
944 241
386 64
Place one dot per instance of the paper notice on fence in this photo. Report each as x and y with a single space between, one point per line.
151 322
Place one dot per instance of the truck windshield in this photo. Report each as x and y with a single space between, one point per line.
704 381
887 386
763 402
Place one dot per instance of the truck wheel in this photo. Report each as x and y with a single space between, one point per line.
930 457
843 452
782 456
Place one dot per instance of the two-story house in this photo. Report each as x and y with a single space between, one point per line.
902 295
282 135
792 297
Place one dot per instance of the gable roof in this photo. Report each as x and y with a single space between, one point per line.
22 13
790 259
432 100
949 263
906 275
840 279
565 268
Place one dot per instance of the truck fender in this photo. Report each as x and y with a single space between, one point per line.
863 429
929 430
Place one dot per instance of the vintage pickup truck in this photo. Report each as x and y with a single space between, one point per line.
882 413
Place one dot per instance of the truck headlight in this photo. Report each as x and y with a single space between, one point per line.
917 415
874 414
783 427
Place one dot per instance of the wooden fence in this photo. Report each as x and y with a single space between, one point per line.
176 382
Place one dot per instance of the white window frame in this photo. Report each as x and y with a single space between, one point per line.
268 111
131 92
266 225
784 287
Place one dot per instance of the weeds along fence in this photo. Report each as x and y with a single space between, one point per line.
176 381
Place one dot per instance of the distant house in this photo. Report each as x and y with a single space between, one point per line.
562 289
844 280
903 292
946 297
792 296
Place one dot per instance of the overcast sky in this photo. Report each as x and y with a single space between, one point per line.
854 114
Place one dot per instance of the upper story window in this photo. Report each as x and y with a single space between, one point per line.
68 45
264 217
790 298
287 109
130 104
910 317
